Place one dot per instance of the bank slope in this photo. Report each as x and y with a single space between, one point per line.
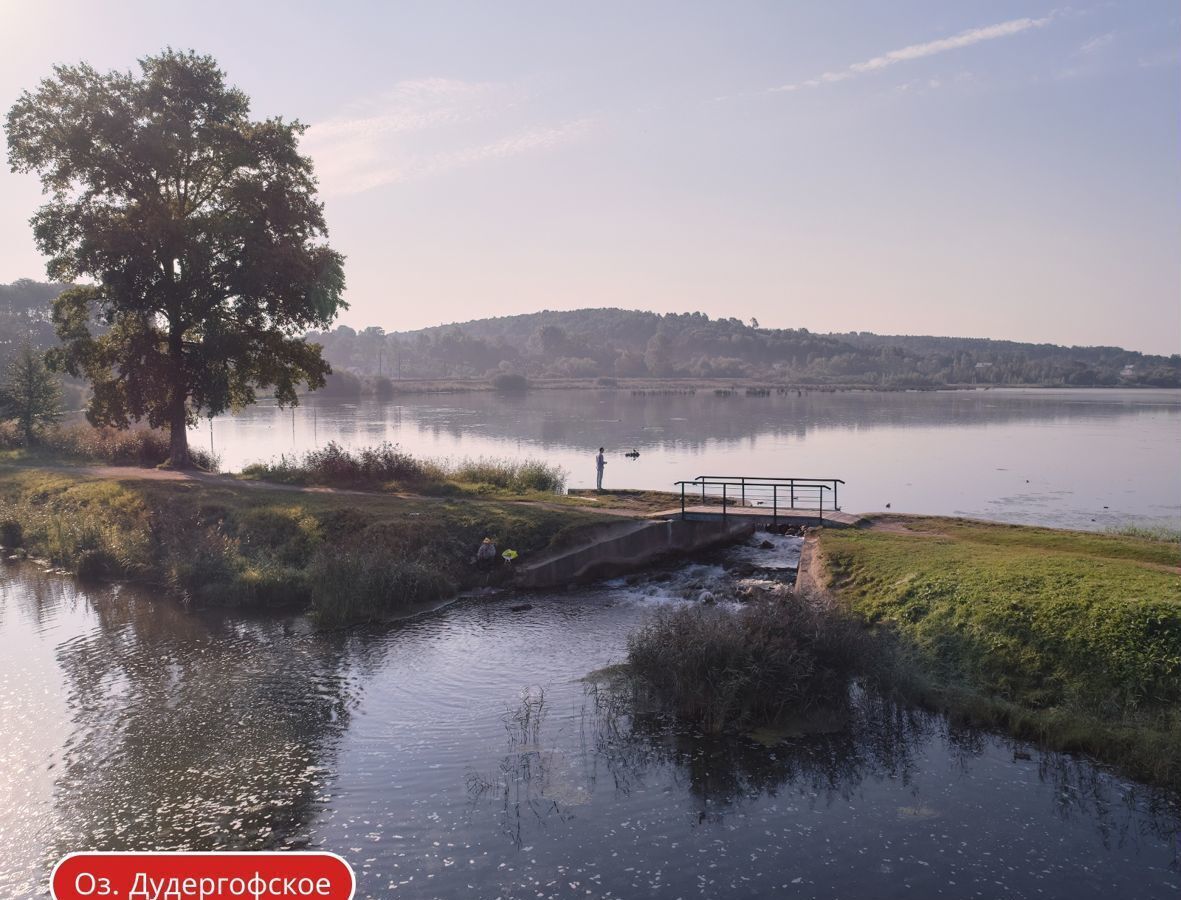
1071 638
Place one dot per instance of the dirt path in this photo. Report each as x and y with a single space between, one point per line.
137 473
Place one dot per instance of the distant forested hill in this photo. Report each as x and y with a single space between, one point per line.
620 343
25 314
605 343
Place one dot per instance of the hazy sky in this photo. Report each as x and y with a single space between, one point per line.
995 169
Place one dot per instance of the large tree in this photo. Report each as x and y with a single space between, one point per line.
199 228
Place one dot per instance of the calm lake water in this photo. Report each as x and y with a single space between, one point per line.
460 754
1072 458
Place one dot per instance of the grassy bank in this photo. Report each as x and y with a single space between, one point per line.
1069 638
346 556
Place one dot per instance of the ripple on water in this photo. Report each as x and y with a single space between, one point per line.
463 749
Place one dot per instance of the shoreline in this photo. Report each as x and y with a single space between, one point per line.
368 386
1069 638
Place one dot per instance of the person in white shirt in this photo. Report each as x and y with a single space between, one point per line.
600 464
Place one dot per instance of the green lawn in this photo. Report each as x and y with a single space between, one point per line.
1073 637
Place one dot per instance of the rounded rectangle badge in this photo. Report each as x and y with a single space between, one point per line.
182 875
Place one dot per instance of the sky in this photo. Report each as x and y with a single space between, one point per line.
988 169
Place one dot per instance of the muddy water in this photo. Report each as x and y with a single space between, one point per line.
462 754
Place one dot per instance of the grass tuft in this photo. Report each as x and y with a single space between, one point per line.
361 584
722 669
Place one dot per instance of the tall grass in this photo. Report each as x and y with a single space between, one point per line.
507 474
721 669
97 528
357 584
387 463
113 446
1169 534
337 466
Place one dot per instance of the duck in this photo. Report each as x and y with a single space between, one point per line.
635 454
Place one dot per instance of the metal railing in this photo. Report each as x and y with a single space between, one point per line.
789 493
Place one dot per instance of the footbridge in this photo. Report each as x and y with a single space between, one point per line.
792 500
715 511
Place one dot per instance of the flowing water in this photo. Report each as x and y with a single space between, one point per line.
461 753
1070 458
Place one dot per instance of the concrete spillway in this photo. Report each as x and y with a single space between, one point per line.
619 548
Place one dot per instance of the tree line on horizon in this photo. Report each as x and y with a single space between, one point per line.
617 343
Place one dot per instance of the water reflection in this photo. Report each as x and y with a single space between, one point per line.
134 723
581 419
175 729
880 792
1082 458
829 759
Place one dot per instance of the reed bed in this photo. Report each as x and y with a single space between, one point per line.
387 463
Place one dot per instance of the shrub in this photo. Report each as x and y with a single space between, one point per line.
285 536
198 558
341 384
508 381
11 534
383 388
718 668
336 465
340 467
97 565
365 584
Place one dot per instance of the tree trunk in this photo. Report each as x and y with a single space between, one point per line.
178 438
178 420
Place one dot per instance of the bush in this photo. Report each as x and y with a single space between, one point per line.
97 565
720 669
366 584
11 534
284 536
341 384
383 388
337 466
507 381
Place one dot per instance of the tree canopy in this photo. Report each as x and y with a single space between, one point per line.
199 228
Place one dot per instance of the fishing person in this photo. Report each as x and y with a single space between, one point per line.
486 553
600 465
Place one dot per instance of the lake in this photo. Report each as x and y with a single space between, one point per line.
462 754
1070 458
